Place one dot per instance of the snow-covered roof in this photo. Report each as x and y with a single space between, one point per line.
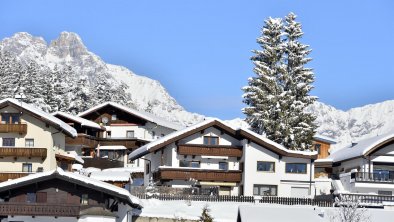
57 123
360 148
111 148
211 122
73 177
80 120
324 139
111 176
143 115
73 155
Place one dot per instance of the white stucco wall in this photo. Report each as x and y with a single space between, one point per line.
284 181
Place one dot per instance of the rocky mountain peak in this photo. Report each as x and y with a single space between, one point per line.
68 44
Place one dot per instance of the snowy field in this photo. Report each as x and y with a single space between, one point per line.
250 212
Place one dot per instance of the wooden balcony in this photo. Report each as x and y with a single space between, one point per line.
198 174
129 143
23 152
34 209
11 176
209 150
83 140
20 128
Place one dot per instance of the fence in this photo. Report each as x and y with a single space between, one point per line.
321 202
367 199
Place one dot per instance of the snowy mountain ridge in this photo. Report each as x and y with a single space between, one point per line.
68 50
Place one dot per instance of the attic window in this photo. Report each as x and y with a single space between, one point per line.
211 140
113 117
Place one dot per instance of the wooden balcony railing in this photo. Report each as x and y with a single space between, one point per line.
129 143
82 139
11 176
209 150
32 209
13 128
198 174
23 152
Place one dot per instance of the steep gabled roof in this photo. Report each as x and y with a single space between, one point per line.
235 132
362 148
143 115
80 120
39 114
73 178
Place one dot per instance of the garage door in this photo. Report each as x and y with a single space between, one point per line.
299 191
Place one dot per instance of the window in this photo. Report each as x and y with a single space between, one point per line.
185 163
31 197
10 118
223 165
317 148
147 168
108 134
29 142
265 190
8 141
84 199
26 167
211 140
15 118
5 118
130 134
263 166
295 167
113 117
384 192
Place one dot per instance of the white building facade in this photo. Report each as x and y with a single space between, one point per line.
238 161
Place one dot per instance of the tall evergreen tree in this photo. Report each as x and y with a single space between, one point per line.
278 95
299 85
261 94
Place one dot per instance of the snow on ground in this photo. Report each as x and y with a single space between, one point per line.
221 211
249 212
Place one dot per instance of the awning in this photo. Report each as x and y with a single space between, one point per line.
222 184
111 148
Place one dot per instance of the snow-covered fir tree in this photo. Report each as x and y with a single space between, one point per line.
279 93
298 86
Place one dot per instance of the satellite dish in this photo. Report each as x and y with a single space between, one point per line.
104 120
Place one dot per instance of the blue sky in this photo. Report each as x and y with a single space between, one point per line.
200 50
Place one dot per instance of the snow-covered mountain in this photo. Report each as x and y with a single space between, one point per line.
68 50
354 124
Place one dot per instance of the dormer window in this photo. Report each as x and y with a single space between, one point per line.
211 140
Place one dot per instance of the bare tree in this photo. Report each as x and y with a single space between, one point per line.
349 210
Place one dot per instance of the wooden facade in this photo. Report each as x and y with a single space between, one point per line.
20 128
198 174
210 150
10 176
23 152
322 148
